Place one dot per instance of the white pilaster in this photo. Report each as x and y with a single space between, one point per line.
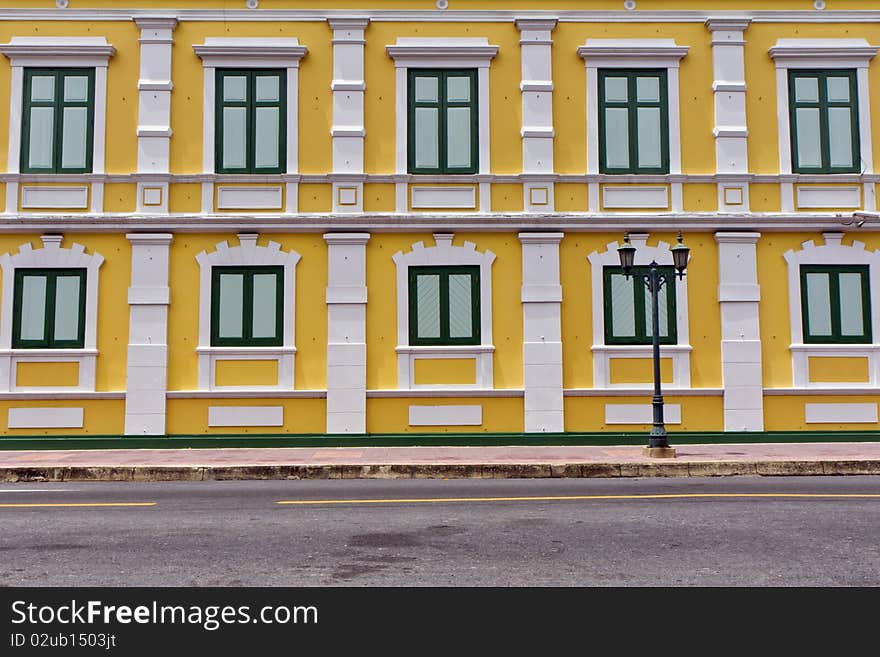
346 332
537 110
731 132
542 332
148 300
154 110
347 132
738 296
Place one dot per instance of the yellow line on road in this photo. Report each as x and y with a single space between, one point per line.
559 498
72 504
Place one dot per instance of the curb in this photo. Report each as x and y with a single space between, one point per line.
440 471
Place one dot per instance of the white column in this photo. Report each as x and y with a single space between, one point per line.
348 132
346 332
537 112
154 112
738 295
147 369
731 132
542 331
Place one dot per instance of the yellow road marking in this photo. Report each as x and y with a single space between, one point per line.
76 504
558 498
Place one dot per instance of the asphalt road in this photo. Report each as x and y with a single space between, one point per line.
739 531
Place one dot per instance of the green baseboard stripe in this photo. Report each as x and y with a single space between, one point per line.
422 440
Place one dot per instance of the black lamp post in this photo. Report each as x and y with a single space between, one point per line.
658 441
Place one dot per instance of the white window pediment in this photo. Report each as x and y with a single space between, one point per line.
627 53
822 53
58 51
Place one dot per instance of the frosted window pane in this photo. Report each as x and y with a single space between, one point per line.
840 136
851 317
623 318
426 90
806 90
662 313
231 305
460 306
67 307
265 307
33 307
838 90
234 137
235 88
43 88
458 90
458 138
818 304
648 90
428 306
615 90
76 89
40 137
267 88
73 137
427 142
616 138
267 137
809 152
649 136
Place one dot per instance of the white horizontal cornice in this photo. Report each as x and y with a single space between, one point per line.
408 52
254 51
819 51
40 51
623 52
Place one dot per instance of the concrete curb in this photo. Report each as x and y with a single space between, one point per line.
440 471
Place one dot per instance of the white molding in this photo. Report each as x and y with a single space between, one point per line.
443 198
54 197
537 104
443 253
245 416
840 413
819 53
247 254
470 415
832 252
256 197
45 418
680 353
635 197
640 413
814 196
51 255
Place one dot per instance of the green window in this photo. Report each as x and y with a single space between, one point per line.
824 121
442 121
58 120
444 305
628 307
836 303
633 122
247 306
250 121
48 308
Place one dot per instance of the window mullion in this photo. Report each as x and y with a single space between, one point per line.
824 133
59 109
632 122
641 333
250 121
49 314
444 306
441 123
247 306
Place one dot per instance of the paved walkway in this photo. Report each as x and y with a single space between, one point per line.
410 462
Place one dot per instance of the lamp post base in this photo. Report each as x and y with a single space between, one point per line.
659 452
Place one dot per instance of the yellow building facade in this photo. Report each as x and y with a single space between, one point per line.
403 216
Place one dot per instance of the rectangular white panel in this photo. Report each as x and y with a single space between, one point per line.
245 416
249 198
640 413
453 416
829 413
635 197
444 197
45 418
829 197
55 197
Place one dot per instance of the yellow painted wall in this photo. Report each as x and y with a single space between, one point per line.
571 197
638 370
47 374
185 197
315 197
507 198
445 370
246 373
786 413
503 414
311 316
379 197
101 417
765 197
506 306
119 197
697 413
700 197
838 370
190 416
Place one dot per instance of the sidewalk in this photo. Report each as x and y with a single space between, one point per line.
437 462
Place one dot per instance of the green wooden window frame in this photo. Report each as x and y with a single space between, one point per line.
251 104
444 311
59 104
641 306
632 105
247 321
442 104
48 341
824 106
835 304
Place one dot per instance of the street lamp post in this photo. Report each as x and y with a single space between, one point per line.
658 440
